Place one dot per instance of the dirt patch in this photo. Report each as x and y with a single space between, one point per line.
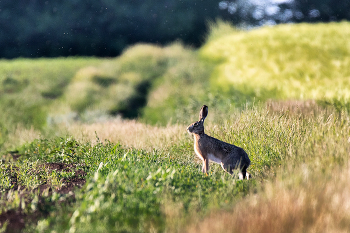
70 183
15 155
16 219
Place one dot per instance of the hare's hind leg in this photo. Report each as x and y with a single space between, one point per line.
227 167
245 174
205 167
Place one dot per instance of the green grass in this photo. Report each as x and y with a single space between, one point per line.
304 61
139 83
29 86
232 68
132 190
125 190
142 189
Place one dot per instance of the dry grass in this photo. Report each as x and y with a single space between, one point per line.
19 136
301 203
299 153
310 191
282 133
130 133
296 150
307 108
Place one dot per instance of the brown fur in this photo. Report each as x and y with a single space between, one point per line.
208 148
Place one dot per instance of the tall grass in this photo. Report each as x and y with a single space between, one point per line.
130 133
304 154
299 153
301 61
305 201
147 178
278 134
218 29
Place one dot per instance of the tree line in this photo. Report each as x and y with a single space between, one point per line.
37 28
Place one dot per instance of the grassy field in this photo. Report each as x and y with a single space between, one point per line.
287 62
100 145
28 88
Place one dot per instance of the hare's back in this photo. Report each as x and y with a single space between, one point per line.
243 156
235 154
238 157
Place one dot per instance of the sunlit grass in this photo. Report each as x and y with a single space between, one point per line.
142 177
139 83
302 201
275 135
19 136
304 61
292 145
28 87
218 29
299 154
131 134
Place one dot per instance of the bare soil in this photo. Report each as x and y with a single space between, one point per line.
17 219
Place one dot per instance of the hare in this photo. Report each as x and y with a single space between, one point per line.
208 148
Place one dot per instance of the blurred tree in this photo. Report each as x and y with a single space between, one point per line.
34 28
322 10
256 13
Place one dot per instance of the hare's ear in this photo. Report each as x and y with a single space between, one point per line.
203 113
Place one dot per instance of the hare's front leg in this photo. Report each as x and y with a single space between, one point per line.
205 167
